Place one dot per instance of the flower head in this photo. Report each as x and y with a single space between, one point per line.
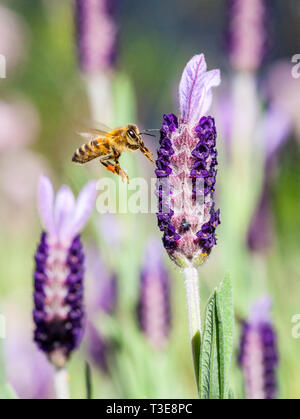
258 353
96 34
22 359
154 314
186 169
247 33
102 298
58 276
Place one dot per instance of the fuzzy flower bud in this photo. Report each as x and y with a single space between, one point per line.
154 314
258 353
58 276
186 170
96 34
247 33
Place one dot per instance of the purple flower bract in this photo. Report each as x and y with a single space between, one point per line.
186 170
58 278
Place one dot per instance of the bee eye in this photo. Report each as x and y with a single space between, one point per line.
131 134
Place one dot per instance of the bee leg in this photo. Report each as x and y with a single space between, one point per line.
147 153
115 168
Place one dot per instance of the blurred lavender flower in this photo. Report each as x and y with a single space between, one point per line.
22 360
247 31
98 347
58 277
101 300
274 127
96 34
186 172
258 356
154 314
13 37
260 232
96 42
283 92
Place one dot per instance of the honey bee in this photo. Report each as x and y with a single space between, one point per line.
108 145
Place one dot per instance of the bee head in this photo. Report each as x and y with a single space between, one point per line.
135 141
133 136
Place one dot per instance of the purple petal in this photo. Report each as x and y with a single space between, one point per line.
153 254
46 204
260 311
223 109
195 94
83 208
277 126
64 207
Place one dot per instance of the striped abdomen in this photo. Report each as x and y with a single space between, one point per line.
90 151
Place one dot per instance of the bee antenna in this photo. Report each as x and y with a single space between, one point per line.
147 133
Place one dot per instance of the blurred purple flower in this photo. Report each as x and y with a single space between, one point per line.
99 347
154 314
274 129
101 300
260 232
283 92
247 33
186 172
275 124
223 110
13 37
102 285
22 360
58 277
96 34
258 356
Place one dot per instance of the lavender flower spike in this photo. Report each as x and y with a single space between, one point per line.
102 299
258 353
186 170
154 314
58 276
247 33
96 34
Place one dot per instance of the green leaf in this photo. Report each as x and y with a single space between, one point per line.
209 387
196 342
224 310
216 345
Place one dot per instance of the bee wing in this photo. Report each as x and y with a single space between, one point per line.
89 135
94 134
100 126
97 128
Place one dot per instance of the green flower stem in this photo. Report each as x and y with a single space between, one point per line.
61 384
193 303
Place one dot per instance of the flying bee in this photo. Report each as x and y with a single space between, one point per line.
108 145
